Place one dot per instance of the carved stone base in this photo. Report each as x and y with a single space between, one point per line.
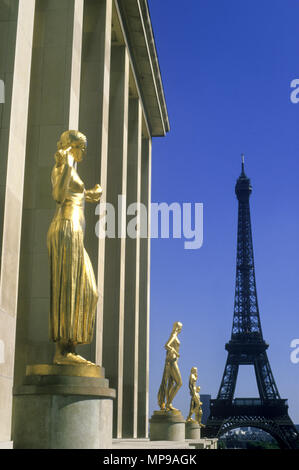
61 411
167 426
192 430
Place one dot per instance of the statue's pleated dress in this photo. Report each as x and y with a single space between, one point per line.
73 289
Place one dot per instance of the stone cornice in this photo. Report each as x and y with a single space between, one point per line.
138 28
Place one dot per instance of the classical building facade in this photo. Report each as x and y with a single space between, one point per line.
90 65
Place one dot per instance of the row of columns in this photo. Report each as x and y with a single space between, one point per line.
69 75
17 21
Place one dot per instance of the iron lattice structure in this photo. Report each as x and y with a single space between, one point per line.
247 347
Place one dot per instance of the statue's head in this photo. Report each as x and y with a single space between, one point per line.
177 327
76 141
194 370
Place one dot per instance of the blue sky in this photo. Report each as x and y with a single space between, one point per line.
226 69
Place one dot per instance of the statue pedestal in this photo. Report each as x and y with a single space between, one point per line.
63 407
192 430
167 426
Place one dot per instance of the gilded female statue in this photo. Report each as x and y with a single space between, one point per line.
73 293
195 404
171 380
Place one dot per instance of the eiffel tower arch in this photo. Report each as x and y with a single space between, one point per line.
269 412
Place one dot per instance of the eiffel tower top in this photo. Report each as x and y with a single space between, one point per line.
243 187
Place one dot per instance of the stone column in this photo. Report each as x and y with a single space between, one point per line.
76 65
131 319
8 33
94 123
17 46
114 287
144 297
53 106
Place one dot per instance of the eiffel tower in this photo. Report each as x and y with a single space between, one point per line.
247 346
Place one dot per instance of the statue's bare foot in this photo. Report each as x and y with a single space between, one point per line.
83 360
171 408
70 359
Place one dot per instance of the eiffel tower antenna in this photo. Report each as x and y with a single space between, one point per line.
243 164
247 347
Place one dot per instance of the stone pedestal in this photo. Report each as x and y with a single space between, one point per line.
63 407
167 426
192 430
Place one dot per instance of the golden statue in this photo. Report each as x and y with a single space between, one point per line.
195 405
73 292
171 380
